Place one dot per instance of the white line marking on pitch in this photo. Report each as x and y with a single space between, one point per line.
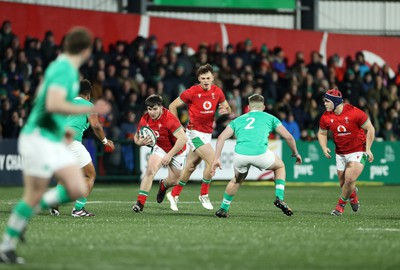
98 202
379 229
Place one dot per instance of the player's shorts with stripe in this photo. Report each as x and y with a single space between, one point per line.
342 160
80 152
177 161
197 138
242 163
42 157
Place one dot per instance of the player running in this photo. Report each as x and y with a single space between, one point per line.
202 100
77 124
252 130
169 150
348 125
41 142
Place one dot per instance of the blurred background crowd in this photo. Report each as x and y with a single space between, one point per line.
129 71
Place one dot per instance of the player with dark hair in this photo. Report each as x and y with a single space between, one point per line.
169 150
202 100
252 130
41 142
353 147
76 125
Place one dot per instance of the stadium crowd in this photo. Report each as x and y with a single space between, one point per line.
128 72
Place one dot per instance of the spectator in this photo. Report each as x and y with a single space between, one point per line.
6 36
291 125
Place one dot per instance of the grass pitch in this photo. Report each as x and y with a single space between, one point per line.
257 235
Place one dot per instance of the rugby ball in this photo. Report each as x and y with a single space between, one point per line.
146 131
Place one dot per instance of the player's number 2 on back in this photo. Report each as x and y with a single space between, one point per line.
251 121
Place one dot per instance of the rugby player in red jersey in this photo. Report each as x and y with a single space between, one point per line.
168 151
202 100
353 135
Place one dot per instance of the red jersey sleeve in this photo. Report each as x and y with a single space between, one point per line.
186 96
362 117
322 123
173 123
221 95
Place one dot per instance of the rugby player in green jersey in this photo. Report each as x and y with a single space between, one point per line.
77 124
252 130
42 142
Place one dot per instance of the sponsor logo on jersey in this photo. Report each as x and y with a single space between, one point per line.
207 105
342 131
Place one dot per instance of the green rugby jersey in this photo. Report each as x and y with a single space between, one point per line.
79 123
252 130
60 73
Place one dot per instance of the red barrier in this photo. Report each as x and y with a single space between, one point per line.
35 20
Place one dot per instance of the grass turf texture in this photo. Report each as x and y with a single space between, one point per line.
256 235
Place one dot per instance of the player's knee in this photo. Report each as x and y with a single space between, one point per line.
92 176
150 172
190 168
77 191
350 179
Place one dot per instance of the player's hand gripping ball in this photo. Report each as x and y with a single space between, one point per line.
146 131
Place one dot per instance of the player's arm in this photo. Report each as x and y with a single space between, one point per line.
226 134
369 128
181 140
284 133
224 108
173 107
98 130
56 103
322 136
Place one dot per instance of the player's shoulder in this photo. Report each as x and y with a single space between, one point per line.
82 101
324 117
216 88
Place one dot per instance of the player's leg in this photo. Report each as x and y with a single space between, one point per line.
352 166
230 191
153 165
173 174
206 153
352 172
85 163
79 210
192 160
175 170
34 187
340 167
280 180
354 202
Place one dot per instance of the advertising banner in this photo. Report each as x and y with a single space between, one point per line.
317 168
10 163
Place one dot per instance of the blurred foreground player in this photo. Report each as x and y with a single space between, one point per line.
41 143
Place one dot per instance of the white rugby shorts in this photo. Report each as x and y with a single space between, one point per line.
197 138
81 153
177 161
242 163
342 160
42 157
